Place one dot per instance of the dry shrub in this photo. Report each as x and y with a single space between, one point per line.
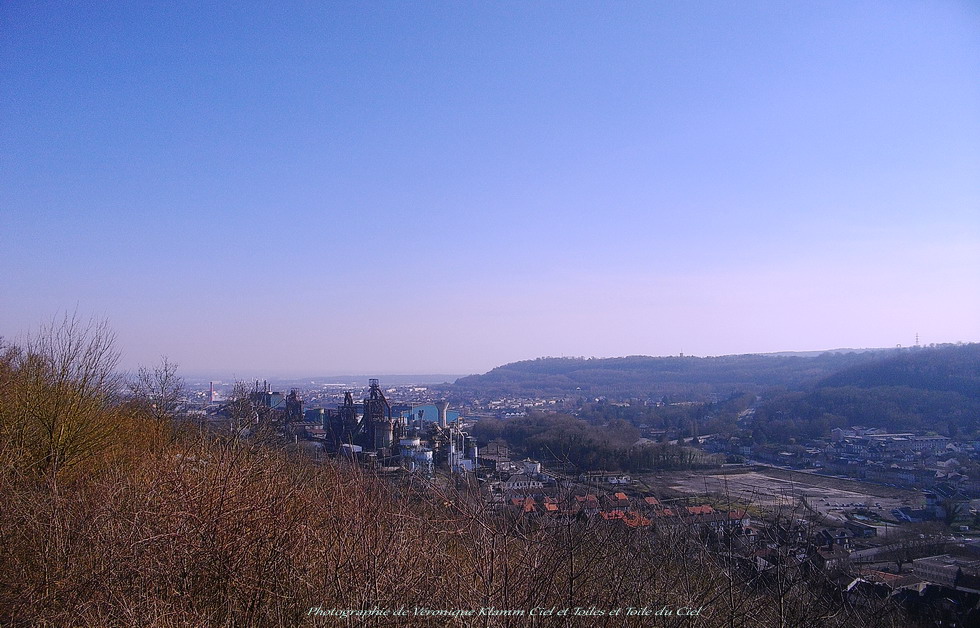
221 533
146 525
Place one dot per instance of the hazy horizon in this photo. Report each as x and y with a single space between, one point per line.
435 378
448 187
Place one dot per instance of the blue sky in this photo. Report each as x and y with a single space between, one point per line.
317 188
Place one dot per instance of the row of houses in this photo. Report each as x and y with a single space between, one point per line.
943 588
633 512
880 446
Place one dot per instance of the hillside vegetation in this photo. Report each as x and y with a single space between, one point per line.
919 389
652 377
948 368
793 397
115 515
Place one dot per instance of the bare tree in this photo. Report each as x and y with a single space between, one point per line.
66 383
243 414
159 390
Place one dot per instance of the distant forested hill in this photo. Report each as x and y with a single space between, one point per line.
917 389
643 376
950 368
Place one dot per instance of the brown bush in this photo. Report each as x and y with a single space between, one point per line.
149 526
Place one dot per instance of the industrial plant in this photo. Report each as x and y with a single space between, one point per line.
370 432
417 438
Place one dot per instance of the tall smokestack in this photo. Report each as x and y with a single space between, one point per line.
441 406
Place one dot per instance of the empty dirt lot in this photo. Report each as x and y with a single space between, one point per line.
769 488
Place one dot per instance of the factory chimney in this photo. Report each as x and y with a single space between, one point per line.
441 406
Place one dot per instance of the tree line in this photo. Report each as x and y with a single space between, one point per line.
614 446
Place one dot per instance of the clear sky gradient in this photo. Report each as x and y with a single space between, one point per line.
381 187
